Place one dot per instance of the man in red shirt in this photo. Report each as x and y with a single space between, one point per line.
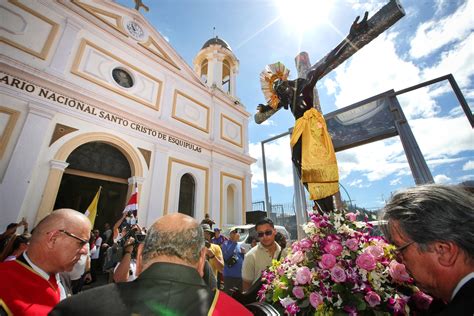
170 283
30 285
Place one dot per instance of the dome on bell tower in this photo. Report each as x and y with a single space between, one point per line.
217 65
216 41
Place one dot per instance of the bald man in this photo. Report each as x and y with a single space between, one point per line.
30 285
170 283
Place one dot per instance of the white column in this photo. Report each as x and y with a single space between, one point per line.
233 83
157 189
211 66
248 193
218 70
215 198
23 161
65 47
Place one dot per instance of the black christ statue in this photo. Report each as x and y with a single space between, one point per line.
312 150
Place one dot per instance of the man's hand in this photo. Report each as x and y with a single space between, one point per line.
358 28
129 244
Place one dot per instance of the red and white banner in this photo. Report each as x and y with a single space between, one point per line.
132 205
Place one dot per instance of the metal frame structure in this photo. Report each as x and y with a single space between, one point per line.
416 161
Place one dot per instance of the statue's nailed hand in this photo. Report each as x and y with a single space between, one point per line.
359 27
263 108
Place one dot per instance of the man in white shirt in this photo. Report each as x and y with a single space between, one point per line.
95 252
260 257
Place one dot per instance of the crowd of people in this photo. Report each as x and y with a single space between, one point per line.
182 267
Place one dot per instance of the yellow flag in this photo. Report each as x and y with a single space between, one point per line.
91 211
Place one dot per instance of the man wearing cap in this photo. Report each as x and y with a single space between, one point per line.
218 239
213 251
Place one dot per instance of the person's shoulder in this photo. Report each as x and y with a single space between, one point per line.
94 300
252 252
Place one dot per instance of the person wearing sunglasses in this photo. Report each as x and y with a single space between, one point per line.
31 284
260 257
432 227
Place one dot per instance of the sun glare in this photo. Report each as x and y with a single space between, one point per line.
302 15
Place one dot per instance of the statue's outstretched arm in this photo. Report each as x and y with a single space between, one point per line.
357 28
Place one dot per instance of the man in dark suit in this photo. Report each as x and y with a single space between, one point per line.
170 283
432 227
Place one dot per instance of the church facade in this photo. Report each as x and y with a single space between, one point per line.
92 96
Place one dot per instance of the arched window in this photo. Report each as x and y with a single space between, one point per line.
226 75
204 69
231 205
186 195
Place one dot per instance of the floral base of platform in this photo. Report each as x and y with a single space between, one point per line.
340 268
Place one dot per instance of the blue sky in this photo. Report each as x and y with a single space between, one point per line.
435 38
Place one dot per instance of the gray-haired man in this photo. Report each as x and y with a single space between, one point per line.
433 228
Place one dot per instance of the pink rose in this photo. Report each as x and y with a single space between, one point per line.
315 299
305 243
338 274
333 247
366 261
351 216
297 257
298 292
422 301
303 275
398 272
372 298
327 261
375 251
352 244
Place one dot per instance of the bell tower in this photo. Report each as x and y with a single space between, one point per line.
217 65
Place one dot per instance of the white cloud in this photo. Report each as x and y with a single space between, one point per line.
278 162
436 33
371 72
365 5
468 165
467 177
441 178
268 122
458 60
396 181
442 137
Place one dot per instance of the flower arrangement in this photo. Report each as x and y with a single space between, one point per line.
340 268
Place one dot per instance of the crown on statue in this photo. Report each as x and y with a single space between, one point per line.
268 76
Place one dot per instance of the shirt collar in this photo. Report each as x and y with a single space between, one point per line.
277 250
35 267
461 284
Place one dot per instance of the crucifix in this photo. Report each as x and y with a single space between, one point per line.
312 149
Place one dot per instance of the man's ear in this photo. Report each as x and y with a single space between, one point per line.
201 262
448 252
50 239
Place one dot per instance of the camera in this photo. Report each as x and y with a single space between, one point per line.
135 233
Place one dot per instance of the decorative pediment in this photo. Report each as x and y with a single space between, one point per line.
132 24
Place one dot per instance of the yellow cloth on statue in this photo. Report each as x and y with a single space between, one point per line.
318 160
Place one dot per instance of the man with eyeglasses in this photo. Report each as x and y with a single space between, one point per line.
432 227
260 257
31 284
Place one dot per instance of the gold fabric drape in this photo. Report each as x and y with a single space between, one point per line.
318 160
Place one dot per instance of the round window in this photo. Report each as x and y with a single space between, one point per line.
122 78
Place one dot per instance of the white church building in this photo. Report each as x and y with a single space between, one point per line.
91 95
